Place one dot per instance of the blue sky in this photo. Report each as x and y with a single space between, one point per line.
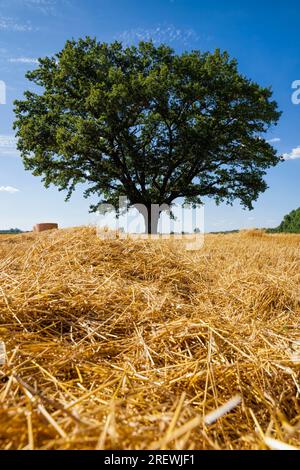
262 35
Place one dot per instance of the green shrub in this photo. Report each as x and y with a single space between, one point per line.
290 223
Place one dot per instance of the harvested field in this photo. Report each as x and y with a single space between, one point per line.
126 344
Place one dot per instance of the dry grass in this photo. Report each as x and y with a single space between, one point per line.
134 345
255 232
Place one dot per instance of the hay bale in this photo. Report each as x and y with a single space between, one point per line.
45 226
253 233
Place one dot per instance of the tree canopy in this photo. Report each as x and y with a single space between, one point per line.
146 123
291 222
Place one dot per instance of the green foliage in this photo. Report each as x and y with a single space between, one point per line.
146 123
12 231
225 232
290 223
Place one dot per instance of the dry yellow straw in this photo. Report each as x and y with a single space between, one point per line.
135 344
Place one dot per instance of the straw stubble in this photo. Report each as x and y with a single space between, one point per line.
131 344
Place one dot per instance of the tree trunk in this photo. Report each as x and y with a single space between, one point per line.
151 218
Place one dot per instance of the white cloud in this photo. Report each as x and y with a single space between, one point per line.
24 60
9 24
44 6
8 189
159 34
294 155
38 3
8 146
273 141
219 223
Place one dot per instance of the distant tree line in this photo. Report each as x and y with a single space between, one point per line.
11 231
290 223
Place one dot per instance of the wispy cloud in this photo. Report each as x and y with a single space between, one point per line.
8 146
219 223
293 155
8 189
274 141
23 60
159 34
43 6
10 24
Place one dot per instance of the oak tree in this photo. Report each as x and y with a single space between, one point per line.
146 123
